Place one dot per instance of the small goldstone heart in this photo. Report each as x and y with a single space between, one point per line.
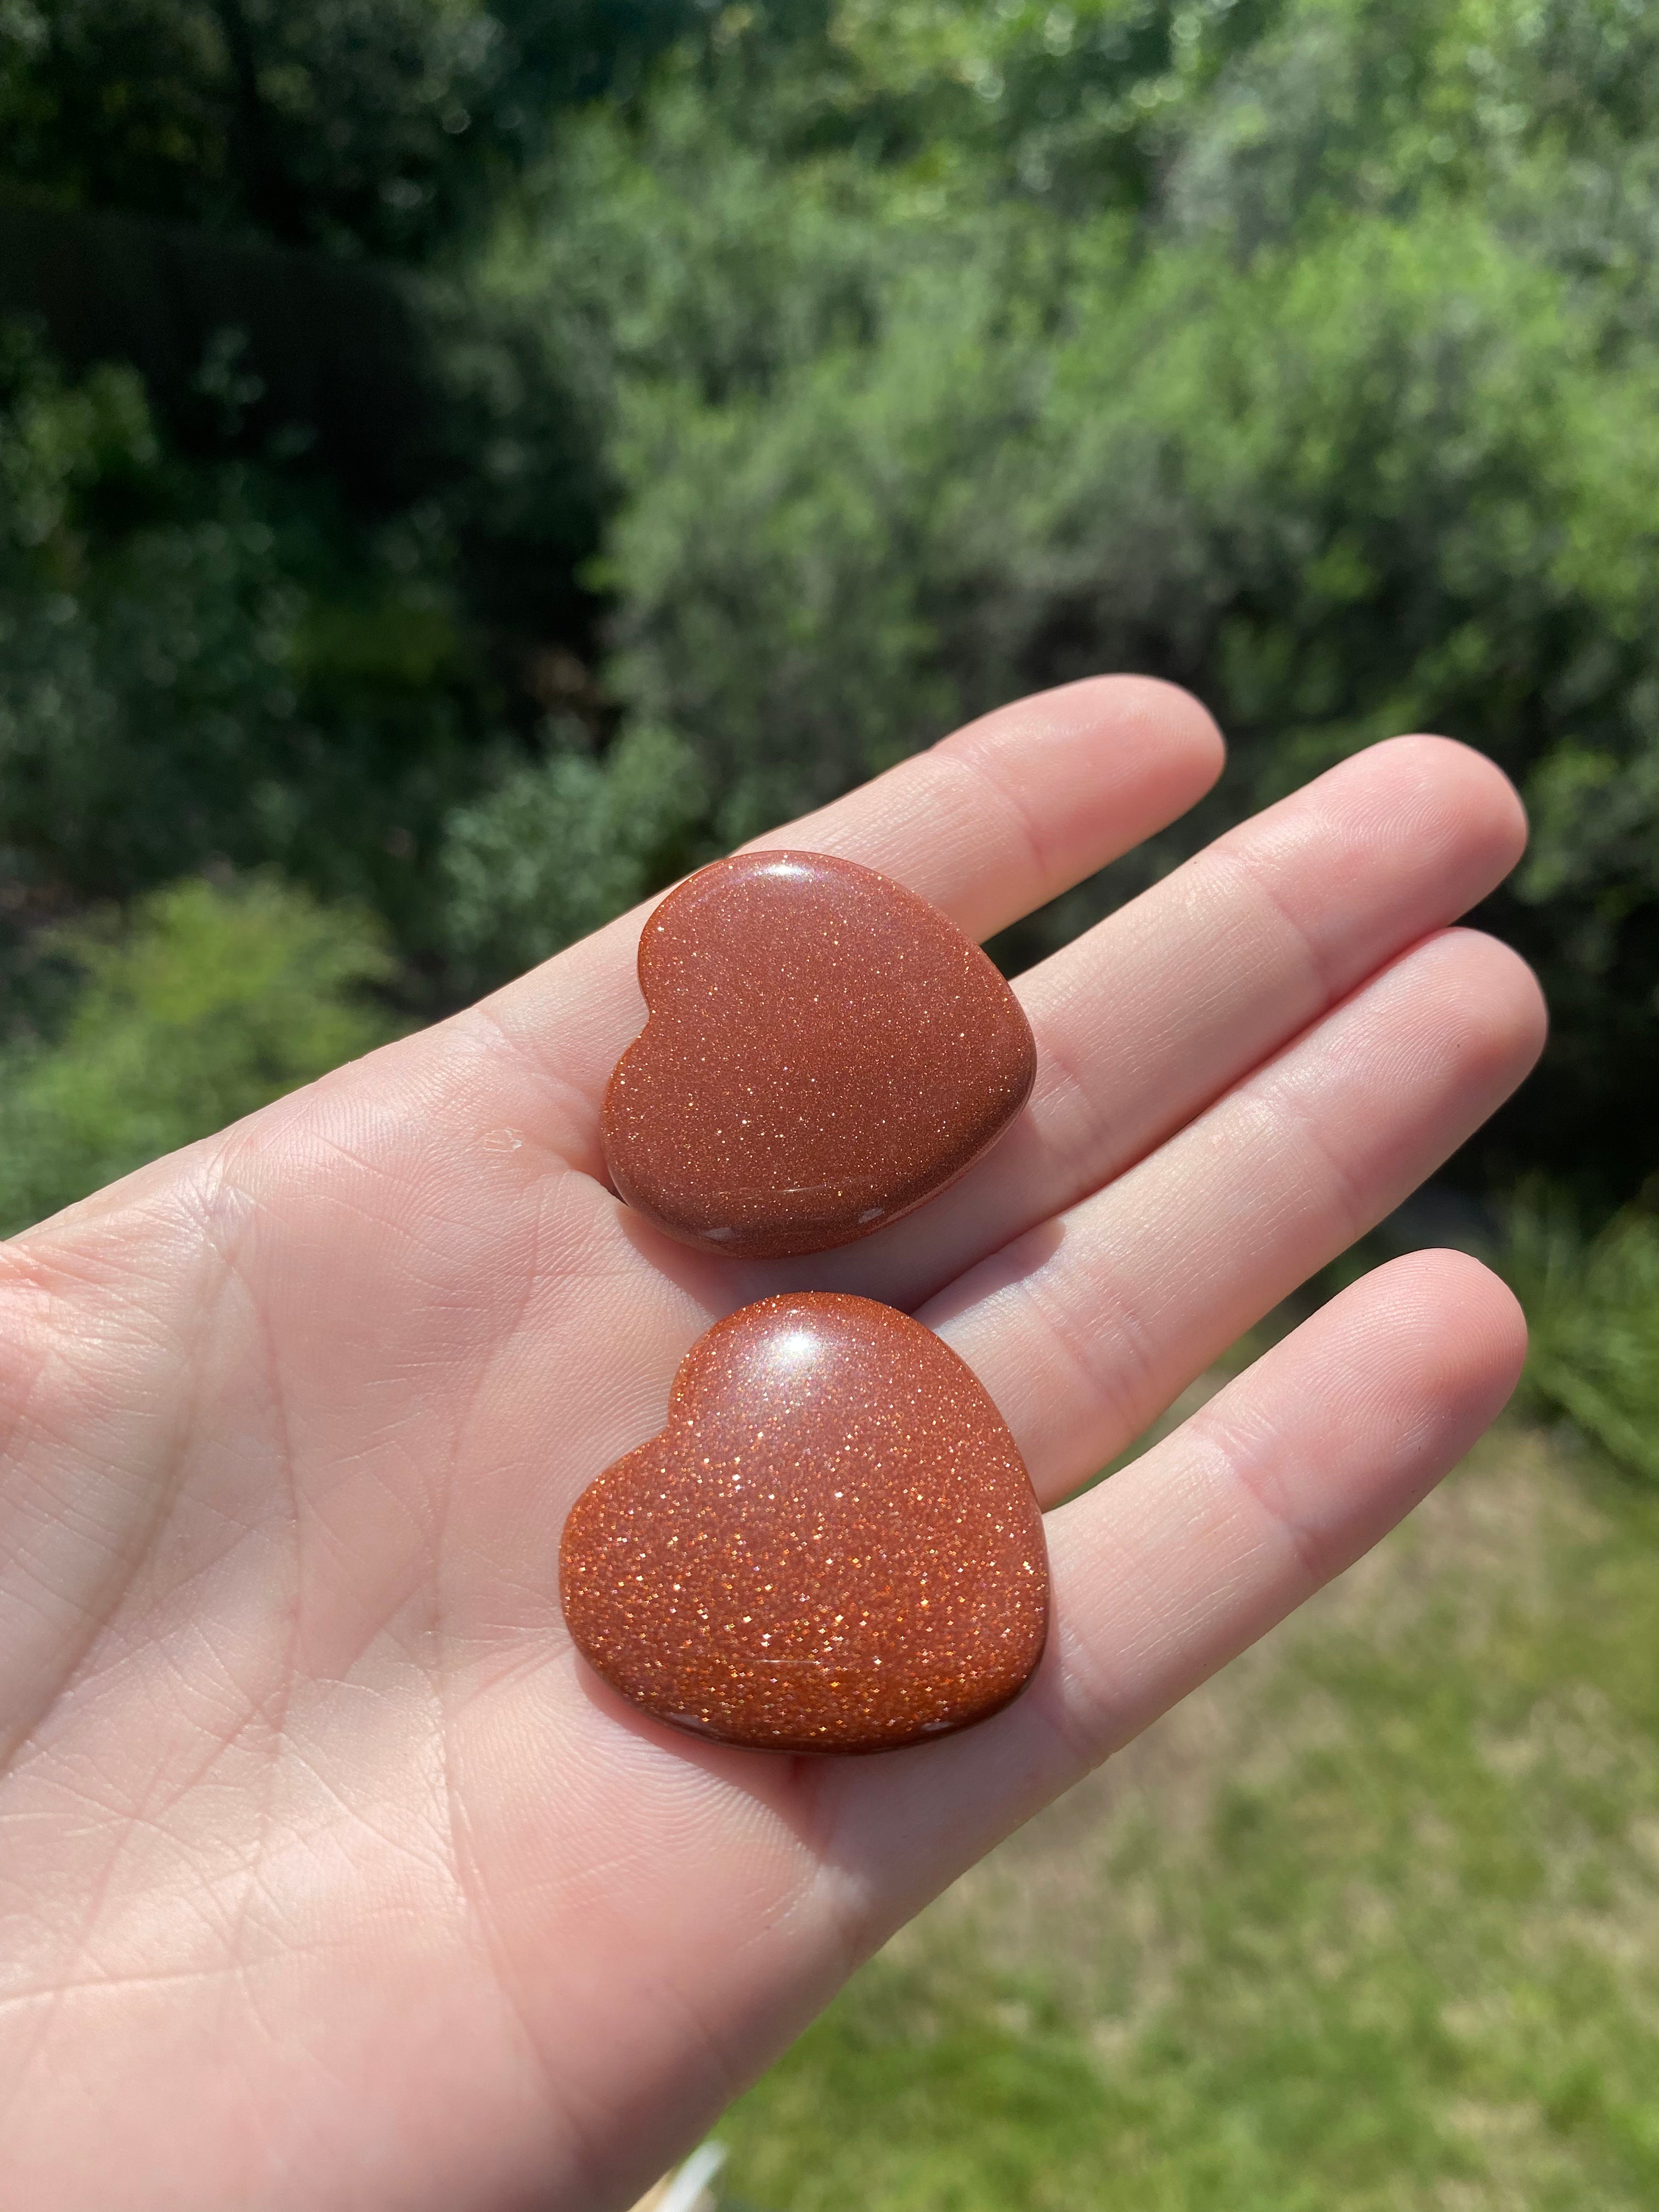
823 1051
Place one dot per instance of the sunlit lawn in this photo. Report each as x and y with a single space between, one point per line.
1373 1922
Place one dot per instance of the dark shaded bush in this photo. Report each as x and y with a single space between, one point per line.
197 663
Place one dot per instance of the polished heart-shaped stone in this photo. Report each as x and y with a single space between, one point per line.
833 1545
823 1051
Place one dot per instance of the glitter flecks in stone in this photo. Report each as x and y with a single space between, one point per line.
833 1545
823 1051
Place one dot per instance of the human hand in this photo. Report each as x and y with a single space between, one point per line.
328 1876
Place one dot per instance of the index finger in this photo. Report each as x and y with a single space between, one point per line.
988 824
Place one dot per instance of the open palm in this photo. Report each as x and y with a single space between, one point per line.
329 1877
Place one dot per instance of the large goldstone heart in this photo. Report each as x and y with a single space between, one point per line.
832 1545
823 1051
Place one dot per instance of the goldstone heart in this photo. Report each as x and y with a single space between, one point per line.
833 1545
823 1051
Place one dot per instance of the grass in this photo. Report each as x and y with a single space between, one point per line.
1371 1924
1592 1309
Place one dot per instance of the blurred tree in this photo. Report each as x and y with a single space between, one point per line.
359 125
1345 429
348 124
559 846
212 1003
1065 104
194 663
204 186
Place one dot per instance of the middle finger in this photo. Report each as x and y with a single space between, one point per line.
1154 1013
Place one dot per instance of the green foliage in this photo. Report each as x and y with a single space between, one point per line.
560 846
338 122
1070 106
835 529
1348 429
192 664
1592 1304
788 381
1383 479
357 126
209 1003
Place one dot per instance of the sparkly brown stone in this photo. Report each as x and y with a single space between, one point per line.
824 1050
833 1545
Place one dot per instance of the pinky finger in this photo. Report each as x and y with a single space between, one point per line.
1178 1563
1272 1488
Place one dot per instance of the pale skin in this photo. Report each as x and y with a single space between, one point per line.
329 1877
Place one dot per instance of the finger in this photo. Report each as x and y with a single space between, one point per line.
1017 806
1177 1564
988 824
1085 1331
1153 1014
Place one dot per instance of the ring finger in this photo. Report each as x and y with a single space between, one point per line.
1084 1329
